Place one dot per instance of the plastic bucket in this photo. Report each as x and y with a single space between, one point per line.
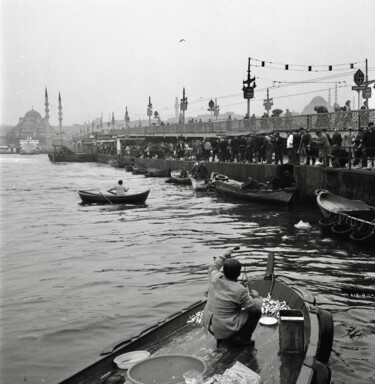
164 369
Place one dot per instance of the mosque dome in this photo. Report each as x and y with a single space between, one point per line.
32 115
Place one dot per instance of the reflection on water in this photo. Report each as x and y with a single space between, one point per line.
77 278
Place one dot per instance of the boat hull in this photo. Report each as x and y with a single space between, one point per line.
177 179
232 188
88 197
200 184
351 219
181 334
158 172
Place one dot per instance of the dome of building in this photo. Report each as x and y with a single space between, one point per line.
33 115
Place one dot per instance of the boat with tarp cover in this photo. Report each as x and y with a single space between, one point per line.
235 189
182 334
344 217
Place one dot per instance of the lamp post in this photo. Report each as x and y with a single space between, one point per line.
211 107
113 121
216 109
127 119
183 106
268 103
248 91
149 111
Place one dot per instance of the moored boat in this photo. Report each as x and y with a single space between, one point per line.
352 219
154 172
62 154
139 170
89 197
236 189
179 178
181 334
200 184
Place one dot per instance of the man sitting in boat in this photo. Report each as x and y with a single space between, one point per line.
120 189
231 313
202 172
194 170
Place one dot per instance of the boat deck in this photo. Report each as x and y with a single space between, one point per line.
262 357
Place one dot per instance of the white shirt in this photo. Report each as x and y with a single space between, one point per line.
120 190
289 141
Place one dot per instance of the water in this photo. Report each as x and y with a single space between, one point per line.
77 278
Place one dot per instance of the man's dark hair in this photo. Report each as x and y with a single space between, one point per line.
120 182
232 269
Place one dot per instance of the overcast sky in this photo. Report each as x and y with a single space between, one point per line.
103 55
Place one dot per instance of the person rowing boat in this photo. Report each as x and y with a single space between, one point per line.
119 188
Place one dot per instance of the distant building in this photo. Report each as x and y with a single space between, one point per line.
33 126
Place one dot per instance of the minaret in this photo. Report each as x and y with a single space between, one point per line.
176 107
46 105
60 118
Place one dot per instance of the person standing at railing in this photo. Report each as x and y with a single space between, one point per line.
348 114
290 148
348 141
304 146
296 143
368 143
278 143
324 148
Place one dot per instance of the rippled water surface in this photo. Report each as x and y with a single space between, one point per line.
76 278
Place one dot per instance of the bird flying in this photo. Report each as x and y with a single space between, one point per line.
182 40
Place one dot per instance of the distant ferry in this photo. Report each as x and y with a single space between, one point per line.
29 147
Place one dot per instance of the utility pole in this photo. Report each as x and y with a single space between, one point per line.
183 105
268 103
248 91
149 111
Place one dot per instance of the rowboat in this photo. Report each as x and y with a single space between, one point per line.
139 170
154 172
234 189
182 334
352 219
200 184
88 197
178 179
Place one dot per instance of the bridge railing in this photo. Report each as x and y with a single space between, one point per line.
331 121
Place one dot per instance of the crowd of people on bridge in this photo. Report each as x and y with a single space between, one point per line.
319 148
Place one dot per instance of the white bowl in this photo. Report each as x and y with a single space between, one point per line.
127 360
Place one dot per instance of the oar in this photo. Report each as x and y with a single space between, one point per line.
110 202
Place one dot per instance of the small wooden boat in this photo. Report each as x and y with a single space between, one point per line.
352 219
182 334
178 179
139 170
154 172
88 197
119 163
128 168
234 189
200 184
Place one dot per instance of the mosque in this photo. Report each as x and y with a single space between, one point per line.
34 126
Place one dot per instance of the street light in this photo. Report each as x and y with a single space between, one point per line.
149 111
248 91
127 119
183 106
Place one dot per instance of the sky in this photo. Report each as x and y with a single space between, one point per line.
105 55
